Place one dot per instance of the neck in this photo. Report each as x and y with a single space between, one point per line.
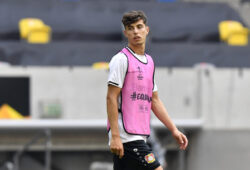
140 49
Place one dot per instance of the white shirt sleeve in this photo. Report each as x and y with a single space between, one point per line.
117 70
155 86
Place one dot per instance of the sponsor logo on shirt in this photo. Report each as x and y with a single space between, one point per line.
140 96
140 76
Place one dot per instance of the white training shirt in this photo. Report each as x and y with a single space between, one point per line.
117 72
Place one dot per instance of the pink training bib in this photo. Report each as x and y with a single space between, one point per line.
136 95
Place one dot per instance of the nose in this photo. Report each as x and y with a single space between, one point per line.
136 30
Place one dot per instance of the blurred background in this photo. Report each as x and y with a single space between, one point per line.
54 58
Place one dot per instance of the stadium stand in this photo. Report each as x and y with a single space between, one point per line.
77 32
85 54
77 20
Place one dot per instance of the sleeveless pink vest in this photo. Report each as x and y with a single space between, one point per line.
136 95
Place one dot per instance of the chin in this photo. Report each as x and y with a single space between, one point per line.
138 42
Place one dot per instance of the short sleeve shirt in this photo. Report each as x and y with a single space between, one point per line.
117 72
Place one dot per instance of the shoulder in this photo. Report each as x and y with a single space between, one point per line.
149 57
118 59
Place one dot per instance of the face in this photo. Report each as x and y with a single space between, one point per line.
136 33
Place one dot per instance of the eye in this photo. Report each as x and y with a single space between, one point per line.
139 26
129 28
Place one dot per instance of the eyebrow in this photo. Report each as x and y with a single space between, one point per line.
135 25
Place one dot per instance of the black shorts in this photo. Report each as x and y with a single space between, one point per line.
137 156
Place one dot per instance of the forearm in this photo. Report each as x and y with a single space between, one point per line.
162 114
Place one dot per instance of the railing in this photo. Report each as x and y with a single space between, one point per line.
44 134
44 129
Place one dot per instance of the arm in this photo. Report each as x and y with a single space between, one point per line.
116 146
162 114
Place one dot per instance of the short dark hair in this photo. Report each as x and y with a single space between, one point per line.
132 17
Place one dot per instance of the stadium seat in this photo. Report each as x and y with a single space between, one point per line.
100 65
40 35
34 30
233 33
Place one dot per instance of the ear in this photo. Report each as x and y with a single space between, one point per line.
125 33
147 28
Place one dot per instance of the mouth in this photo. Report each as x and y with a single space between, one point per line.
137 38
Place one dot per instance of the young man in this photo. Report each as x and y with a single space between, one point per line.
131 95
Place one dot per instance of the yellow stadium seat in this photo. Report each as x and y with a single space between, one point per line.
100 65
233 33
238 38
41 35
26 24
34 30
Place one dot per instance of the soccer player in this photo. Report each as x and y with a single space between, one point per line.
132 94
